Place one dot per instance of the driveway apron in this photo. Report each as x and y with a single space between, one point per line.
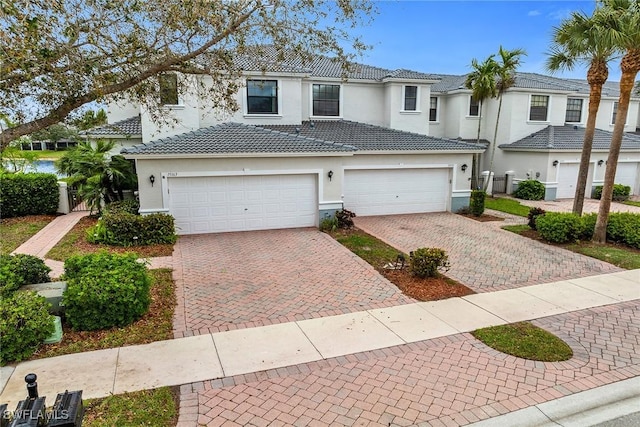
236 280
483 257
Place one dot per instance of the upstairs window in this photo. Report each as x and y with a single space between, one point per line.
168 89
574 110
326 100
262 97
410 98
474 107
539 108
433 109
614 113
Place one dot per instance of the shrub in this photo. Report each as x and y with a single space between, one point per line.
620 192
589 221
125 229
529 190
345 218
533 214
105 290
28 194
329 224
477 202
624 227
24 323
129 206
425 262
560 227
19 270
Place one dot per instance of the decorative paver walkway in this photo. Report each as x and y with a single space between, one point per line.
45 239
482 256
237 280
566 205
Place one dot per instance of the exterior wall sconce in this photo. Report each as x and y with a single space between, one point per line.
600 162
152 179
464 167
555 163
330 175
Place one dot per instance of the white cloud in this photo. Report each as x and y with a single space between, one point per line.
559 14
533 13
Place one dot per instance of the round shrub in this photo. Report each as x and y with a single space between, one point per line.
477 202
19 270
620 192
425 262
624 227
105 290
24 323
529 190
560 227
533 214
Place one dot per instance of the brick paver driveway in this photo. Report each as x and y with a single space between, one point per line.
482 256
232 280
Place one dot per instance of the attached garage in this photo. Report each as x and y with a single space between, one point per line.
396 191
627 174
210 204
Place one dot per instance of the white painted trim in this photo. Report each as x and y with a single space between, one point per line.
152 211
460 193
546 120
331 205
340 105
400 166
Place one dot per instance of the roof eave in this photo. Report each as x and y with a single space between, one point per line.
142 156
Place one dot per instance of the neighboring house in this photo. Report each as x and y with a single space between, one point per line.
125 133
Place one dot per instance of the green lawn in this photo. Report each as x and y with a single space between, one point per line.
16 231
370 249
632 203
506 205
49 154
158 407
526 341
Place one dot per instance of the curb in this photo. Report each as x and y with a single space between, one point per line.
582 409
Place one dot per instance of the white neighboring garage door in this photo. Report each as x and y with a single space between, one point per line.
567 180
238 203
627 174
396 191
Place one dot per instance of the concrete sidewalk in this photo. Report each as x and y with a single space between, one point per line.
244 351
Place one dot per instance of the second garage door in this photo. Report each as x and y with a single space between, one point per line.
627 174
239 203
396 191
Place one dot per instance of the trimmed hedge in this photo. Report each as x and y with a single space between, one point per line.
129 206
105 290
621 192
560 227
19 270
28 194
126 229
624 227
476 205
529 190
25 323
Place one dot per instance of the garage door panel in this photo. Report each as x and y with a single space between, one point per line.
627 174
238 203
396 191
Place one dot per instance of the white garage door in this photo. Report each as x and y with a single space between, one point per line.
396 191
627 174
567 179
239 203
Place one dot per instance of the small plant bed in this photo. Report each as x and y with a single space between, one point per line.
509 206
16 231
482 218
157 407
378 254
619 255
156 325
526 341
75 243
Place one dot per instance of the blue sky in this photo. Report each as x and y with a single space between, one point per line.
443 36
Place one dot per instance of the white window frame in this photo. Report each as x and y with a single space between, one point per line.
546 120
582 115
469 108
340 106
611 122
245 99
437 118
402 100
178 97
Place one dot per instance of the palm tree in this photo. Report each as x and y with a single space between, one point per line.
482 83
623 20
505 73
580 39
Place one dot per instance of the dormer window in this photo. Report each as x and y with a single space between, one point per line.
326 100
262 97
474 107
410 98
433 109
168 89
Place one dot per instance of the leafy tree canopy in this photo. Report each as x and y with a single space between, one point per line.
58 55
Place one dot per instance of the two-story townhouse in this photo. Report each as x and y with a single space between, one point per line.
304 142
537 107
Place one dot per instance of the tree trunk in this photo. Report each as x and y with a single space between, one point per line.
493 144
594 103
627 81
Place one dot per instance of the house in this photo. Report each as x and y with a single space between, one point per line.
304 143
542 121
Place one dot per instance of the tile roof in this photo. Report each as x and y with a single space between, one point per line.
569 138
237 138
373 138
127 127
266 59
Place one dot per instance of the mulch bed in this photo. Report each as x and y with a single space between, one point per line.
483 217
430 289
